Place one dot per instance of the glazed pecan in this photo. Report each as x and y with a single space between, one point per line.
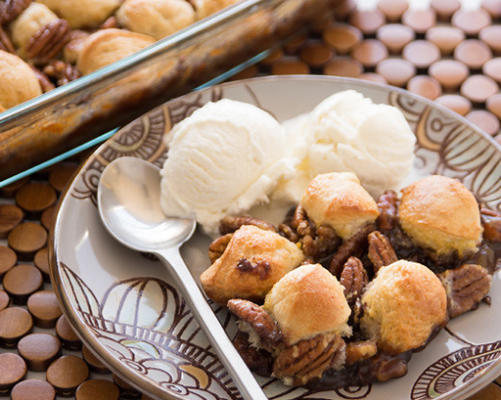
381 252
301 223
261 268
385 367
61 72
491 221
259 320
43 79
388 210
258 360
287 232
360 350
230 224
5 42
322 242
48 41
218 246
353 278
466 286
11 9
352 246
309 358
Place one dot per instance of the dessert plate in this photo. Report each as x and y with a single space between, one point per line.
126 309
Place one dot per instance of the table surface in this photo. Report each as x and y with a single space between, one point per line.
362 52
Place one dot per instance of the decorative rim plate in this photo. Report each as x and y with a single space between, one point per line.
126 309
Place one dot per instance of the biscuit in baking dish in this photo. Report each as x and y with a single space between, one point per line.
204 8
338 200
83 13
440 213
107 46
28 23
252 262
402 306
308 301
19 82
157 18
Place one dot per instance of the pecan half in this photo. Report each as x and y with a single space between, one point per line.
11 9
230 224
353 278
309 358
5 42
61 72
258 360
352 246
43 79
466 286
301 223
261 268
381 252
48 41
322 242
360 350
259 320
388 210
491 221
287 232
218 246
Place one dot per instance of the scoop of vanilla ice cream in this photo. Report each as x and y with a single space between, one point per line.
223 159
348 132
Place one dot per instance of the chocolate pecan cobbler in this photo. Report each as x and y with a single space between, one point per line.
346 289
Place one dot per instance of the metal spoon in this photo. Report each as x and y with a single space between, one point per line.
129 205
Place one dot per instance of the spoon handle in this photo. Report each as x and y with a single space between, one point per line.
242 376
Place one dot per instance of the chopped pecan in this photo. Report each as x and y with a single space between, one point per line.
11 9
287 232
43 79
301 223
322 242
218 246
61 72
45 44
259 320
258 360
353 278
309 358
352 246
381 252
491 221
261 268
230 224
5 42
466 286
388 210
360 350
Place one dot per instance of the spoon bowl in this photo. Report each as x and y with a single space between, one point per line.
128 199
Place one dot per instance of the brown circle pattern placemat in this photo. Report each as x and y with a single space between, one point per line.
444 52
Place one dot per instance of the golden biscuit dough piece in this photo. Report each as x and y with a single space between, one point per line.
157 18
107 46
83 13
338 200
28 23
19 82
442 214
308 301
252 262
402 306
204 8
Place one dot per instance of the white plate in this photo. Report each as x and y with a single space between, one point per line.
125 307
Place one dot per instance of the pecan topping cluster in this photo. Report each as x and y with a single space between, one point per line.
491 221
10 9
5 42
230 224
261 268
61 72
48 41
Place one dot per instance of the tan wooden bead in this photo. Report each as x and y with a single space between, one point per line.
97 389
12 370
343 66
492 69
67 335
421 53
485 120
41 261
368 21
33 389
27 238
445 8
420 20
4 300
39 350
446 38
474 53
342 37
373 77
494 104
370 52
66 373
491 36
455 102
493 7
61 174
8 258
395 36
45 309
15 322
289 65
315 53
94 363
35 197
48 217
478 88
450 73
396 71
21 281
393 9
425 86
10 217
10 190
471 21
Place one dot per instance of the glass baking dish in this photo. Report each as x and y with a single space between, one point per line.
79 111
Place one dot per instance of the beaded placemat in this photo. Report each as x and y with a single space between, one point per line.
445 52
